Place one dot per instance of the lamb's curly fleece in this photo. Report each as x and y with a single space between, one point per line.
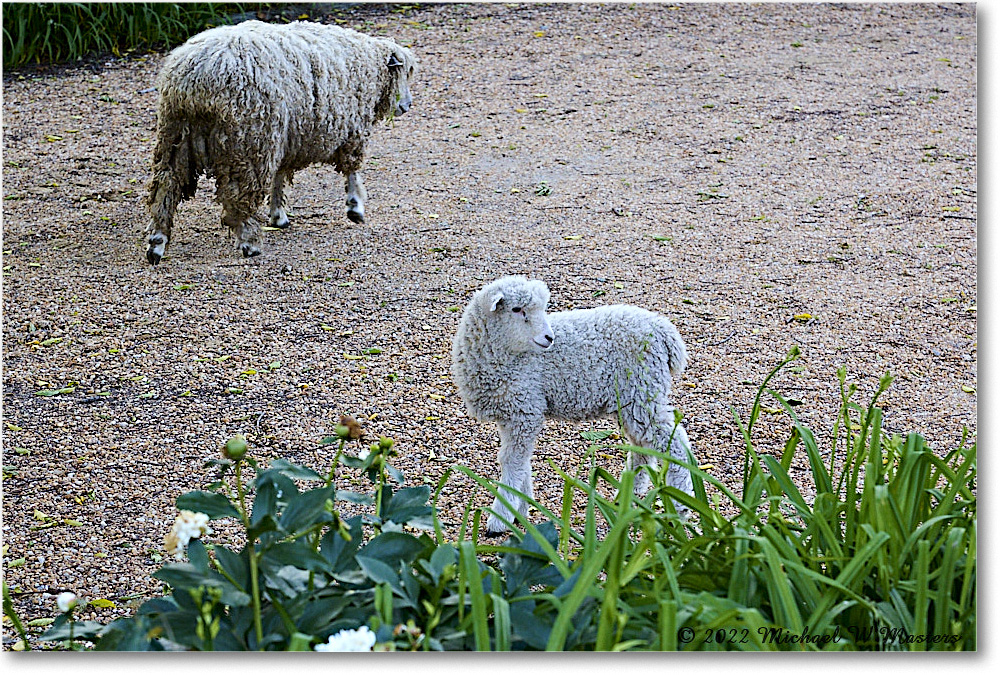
252 103
617 360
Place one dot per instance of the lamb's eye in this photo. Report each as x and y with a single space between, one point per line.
517 310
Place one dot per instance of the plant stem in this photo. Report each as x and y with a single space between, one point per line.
336 460
252 554
379 486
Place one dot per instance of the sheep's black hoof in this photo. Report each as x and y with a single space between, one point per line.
355 216
157 246
249 250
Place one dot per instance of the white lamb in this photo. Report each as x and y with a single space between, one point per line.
251 104
514 365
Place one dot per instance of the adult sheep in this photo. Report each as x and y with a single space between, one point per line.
251 104
514 365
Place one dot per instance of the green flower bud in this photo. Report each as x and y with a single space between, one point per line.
235 448
342 431
384 443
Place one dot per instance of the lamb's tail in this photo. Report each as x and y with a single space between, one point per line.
676 350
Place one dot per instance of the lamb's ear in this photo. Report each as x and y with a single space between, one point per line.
496 300
394 61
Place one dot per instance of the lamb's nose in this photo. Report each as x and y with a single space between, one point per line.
549 339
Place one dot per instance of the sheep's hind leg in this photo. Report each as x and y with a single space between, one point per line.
156 244
164 196
517 443
356 196
279 218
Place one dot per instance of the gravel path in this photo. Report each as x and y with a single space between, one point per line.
763 175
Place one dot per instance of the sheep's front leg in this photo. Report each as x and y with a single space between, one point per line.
279 218
247 231
517 443
356 196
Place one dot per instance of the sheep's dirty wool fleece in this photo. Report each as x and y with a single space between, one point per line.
251 104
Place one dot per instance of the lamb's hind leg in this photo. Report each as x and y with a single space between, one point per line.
651 425
517 443
279 218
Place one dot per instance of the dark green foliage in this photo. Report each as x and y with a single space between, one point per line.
55 32
880 556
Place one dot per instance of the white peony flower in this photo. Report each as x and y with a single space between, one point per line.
189 525
66 601
363 454
360 640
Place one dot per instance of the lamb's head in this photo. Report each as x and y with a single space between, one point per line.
515 310
402 65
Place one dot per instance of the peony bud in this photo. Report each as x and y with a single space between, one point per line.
235 448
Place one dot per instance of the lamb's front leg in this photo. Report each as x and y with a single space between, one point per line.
356 196
517 443
279 218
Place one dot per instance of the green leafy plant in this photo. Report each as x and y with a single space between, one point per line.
882 556
55 32
305 572
15 620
